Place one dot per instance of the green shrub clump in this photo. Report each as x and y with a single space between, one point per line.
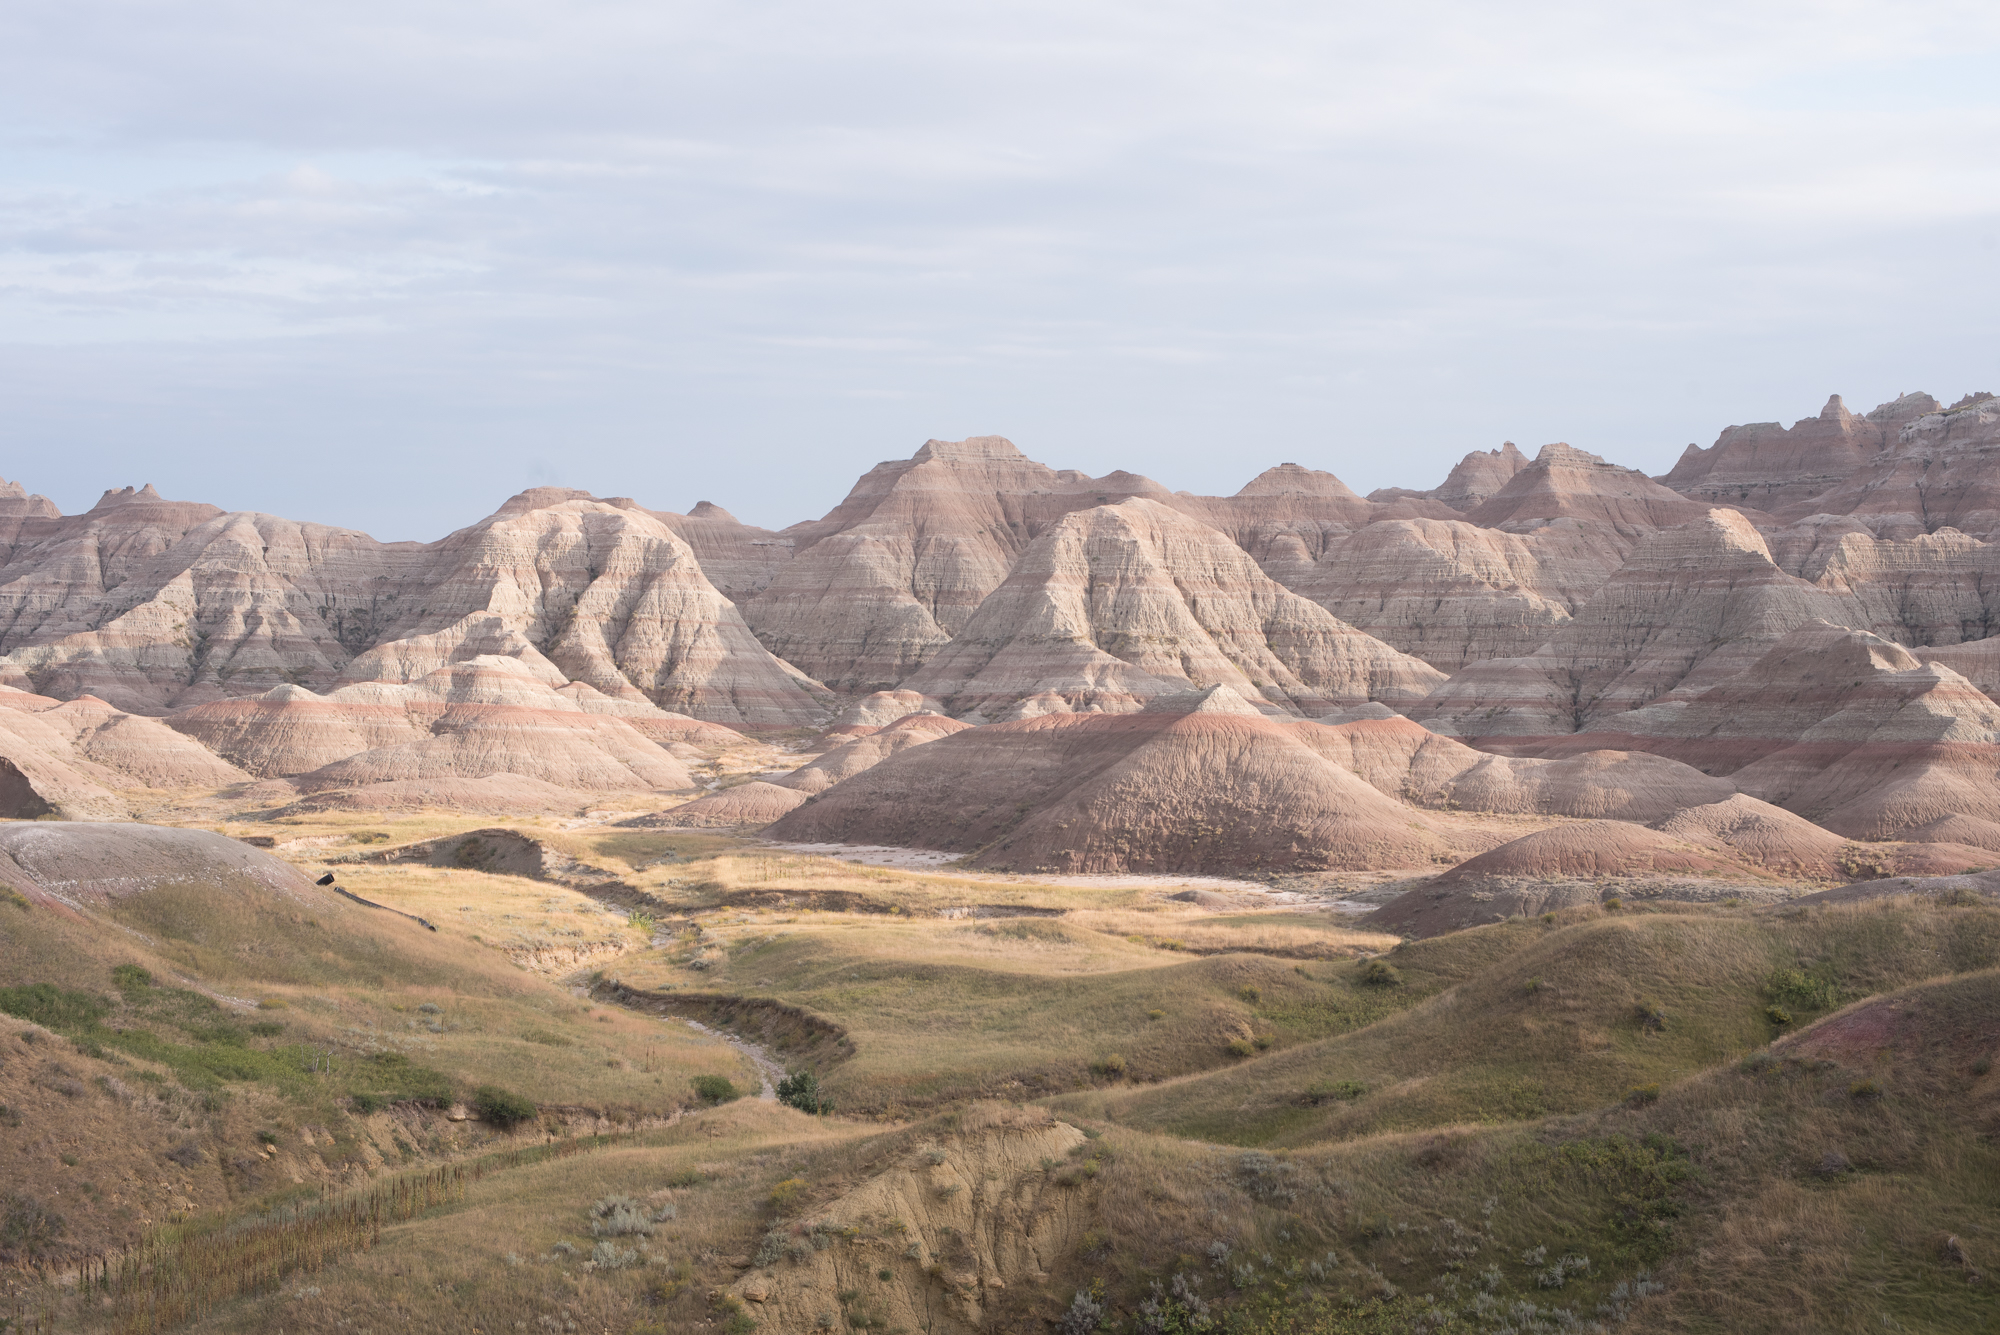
1381 973
801 1090
715 1089
501 1106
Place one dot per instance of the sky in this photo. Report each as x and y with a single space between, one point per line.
384 264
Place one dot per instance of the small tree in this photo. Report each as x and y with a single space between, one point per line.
801 1090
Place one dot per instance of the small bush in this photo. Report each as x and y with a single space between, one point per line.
1803 990
885 1275
801 1090
1613 904
715 1089
1250 994
786 1193
1241 1047
1649 1015
1778 1015
1865 1089
1982 1066
1113 1065
187 1154
1156 1015
1532 986
1381 973
1324 1090
28 1228
501 1107
131 980
609 1256
1640 1095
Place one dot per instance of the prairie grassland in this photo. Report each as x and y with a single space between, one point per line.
1579 1011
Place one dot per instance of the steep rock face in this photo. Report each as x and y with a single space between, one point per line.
472 720
1568 483
1690 607
891 574
1768 467
608 595
154 605
1943 469
1453 593
1932 589
1124 602
1287 517
74 758
1199 782
1475 479
738 558
17 508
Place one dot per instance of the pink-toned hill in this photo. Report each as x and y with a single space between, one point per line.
1203 782
864 753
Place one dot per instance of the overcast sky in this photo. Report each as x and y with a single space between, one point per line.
383 264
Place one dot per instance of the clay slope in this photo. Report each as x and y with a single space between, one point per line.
1121 603
1690 607
155 605
88 865
1568 483
75 759
485 717
1402 760
1839 726
739 559
898 568
1203 782
863 753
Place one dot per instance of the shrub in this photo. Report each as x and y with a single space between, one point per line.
500 1106
1778 1015
1250 994
1381 973
1323 1090
1532 986
187 1154
609 1256
1112 1065
800 1090
1865 1089
1801 989
715 1089
1156 1015
1982 1066
786 1192
1640 1095
1649 1015
619 1217
53 1007
1241 1047
1613 904
131 980
885 1275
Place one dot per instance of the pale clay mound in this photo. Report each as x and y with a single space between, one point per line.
85 865
493 794
987 1212
76 759
471 720
863 753
753 803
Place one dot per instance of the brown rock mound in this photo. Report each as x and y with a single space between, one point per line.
1589 849
1202 782
1762 834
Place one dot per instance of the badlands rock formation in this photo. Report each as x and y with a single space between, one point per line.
155 605
1120 603
486 716
1199 782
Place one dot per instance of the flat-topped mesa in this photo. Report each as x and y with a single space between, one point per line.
1783 470
880 584
1121 603
1567 483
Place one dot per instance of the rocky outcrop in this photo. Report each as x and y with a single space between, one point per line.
155 605
889 576
955 1224
1568 483
1690 607
1198 782
1475 479
739 559
1121 603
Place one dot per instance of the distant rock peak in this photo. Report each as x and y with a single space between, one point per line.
1294 479
710 510
971 448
